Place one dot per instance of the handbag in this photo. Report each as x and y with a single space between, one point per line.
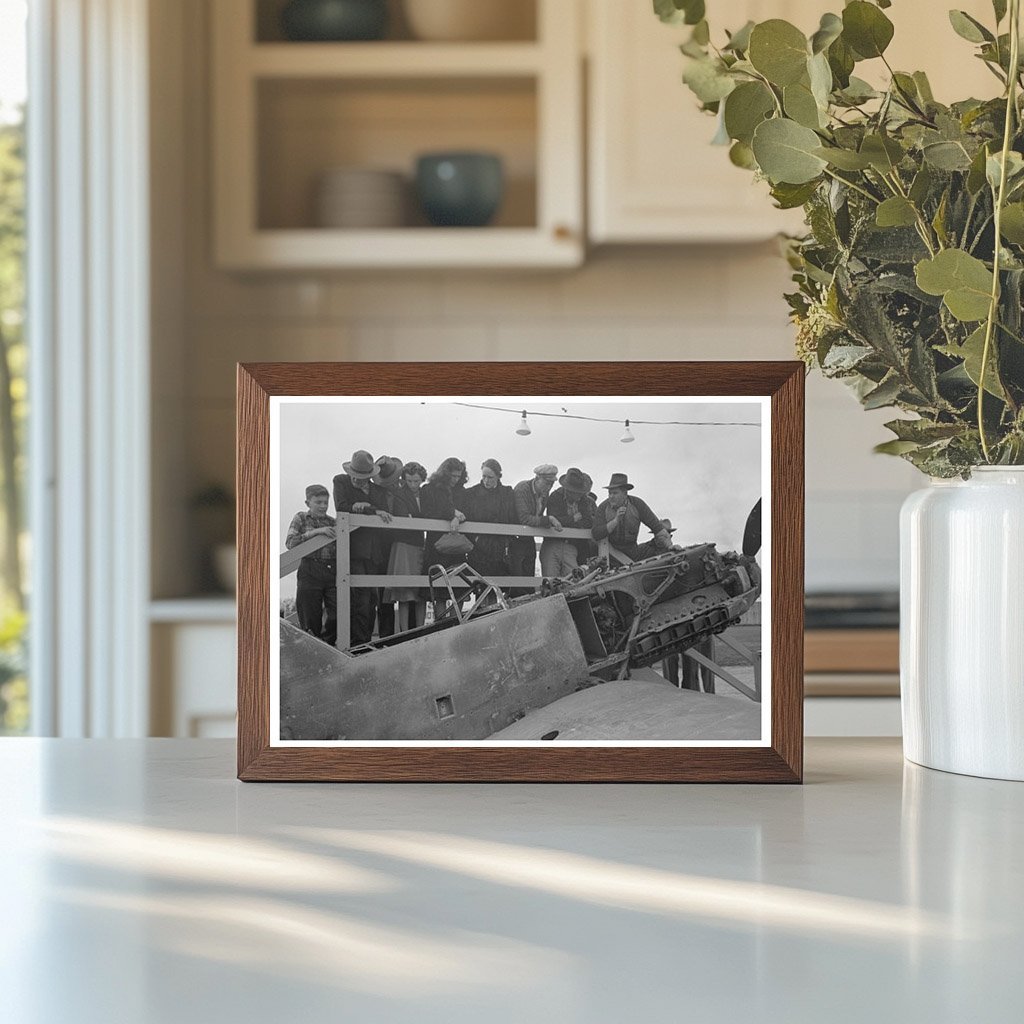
453 543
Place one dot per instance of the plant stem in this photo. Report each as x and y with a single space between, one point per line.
993 308
855 187
922 225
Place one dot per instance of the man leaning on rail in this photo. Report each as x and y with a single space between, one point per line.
620 516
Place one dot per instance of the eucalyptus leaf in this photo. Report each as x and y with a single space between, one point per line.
785 151
994 167
963 281
1011 225
976 173
741 155
895 212
675 12
788 196
820 76
779 51
745 108
895 447
883 153
924 88
858 91
800 105
841 60
829 30
969 28
866 29
971 352
884 395
844 159
708 81
946 156
921 185
739 41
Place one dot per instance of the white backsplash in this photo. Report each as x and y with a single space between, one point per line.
718 302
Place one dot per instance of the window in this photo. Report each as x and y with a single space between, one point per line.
14 702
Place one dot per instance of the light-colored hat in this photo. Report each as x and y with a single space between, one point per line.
545 469
361 467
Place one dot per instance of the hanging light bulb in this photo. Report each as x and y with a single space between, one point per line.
524 427
627 435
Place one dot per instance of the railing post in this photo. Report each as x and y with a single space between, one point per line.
343 534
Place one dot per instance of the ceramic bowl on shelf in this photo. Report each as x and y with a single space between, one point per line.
361 198
470 20
334 21
460 189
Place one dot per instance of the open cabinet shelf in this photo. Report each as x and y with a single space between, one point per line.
286 114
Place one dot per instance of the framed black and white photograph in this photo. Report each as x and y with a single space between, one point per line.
516 571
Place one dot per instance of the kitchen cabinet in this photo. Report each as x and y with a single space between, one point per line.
286 113
653 175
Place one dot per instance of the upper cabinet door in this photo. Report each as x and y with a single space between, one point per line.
653 174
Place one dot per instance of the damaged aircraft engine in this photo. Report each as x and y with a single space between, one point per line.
490 660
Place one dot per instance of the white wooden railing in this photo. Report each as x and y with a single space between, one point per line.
347 522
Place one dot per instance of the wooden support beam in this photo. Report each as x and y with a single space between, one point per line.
344 535
721 672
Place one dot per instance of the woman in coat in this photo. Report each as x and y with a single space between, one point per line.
407 549
437 501
490 501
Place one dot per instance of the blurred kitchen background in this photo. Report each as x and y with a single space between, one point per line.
284 214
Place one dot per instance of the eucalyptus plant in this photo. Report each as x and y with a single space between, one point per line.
909 280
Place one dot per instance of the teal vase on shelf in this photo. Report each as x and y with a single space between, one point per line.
332 21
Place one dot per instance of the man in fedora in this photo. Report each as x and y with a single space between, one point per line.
573 507
388 476
649 548
531 497
355 492
620 516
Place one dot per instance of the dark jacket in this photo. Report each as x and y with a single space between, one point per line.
405 506
364 542
526 505
623 537
562 505
490 552
436 502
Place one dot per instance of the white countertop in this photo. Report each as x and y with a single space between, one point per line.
143 884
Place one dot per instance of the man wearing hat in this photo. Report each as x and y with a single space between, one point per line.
649 548
531 498
355 491
620 516
572 506
387 476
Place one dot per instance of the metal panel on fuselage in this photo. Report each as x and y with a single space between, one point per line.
465 682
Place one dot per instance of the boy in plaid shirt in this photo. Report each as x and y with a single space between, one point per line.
317 589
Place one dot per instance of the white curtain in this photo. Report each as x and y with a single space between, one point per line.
88 320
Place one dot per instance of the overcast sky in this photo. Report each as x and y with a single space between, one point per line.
704 478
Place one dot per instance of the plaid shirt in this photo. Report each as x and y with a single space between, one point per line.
301 524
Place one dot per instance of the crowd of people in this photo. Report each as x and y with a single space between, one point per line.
392 489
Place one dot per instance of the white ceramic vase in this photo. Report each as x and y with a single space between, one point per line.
962 624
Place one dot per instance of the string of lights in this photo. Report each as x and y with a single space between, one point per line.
604 419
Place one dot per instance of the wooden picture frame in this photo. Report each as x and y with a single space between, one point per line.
780 759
